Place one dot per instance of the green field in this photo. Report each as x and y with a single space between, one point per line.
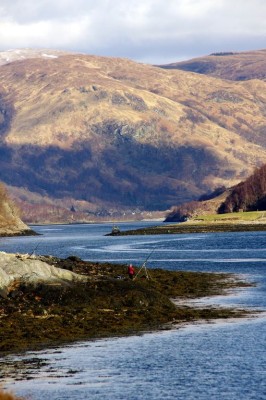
237 216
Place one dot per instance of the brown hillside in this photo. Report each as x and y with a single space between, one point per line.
111 130
229 65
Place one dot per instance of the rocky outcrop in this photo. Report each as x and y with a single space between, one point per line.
16 269
10 223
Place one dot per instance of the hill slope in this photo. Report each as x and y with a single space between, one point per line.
229 65
110 131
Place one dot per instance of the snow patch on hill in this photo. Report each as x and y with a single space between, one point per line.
13 55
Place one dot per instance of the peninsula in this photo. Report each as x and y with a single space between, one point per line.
230 222
66 300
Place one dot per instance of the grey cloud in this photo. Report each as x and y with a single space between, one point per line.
29 11
144 30
172 50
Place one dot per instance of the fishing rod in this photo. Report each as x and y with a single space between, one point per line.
33 252
144 266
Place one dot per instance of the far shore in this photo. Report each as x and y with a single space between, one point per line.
183 228
234 222
26 232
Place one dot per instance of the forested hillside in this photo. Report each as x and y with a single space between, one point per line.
249 195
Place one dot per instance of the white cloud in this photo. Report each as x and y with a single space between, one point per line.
42 34
145 30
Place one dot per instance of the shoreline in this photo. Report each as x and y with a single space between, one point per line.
196 227
26 232
107 305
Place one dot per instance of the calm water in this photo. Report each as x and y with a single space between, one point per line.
224 360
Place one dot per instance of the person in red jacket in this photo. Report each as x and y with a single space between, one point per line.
131 271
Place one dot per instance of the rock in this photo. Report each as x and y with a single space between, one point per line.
24 268
10 223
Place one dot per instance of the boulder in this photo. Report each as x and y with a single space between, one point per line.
23 268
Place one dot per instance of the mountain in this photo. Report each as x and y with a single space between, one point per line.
234 66
107 133
10 222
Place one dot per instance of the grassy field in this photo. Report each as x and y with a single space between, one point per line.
249 216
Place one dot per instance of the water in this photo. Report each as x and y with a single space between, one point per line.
224 360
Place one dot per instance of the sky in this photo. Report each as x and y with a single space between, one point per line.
149 31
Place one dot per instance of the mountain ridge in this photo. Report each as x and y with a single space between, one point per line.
235 66
112 131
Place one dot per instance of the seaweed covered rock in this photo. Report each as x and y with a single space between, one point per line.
95 300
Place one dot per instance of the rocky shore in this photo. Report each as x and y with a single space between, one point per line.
47 301
25 232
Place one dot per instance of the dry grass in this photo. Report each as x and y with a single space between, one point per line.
61 108
234 66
